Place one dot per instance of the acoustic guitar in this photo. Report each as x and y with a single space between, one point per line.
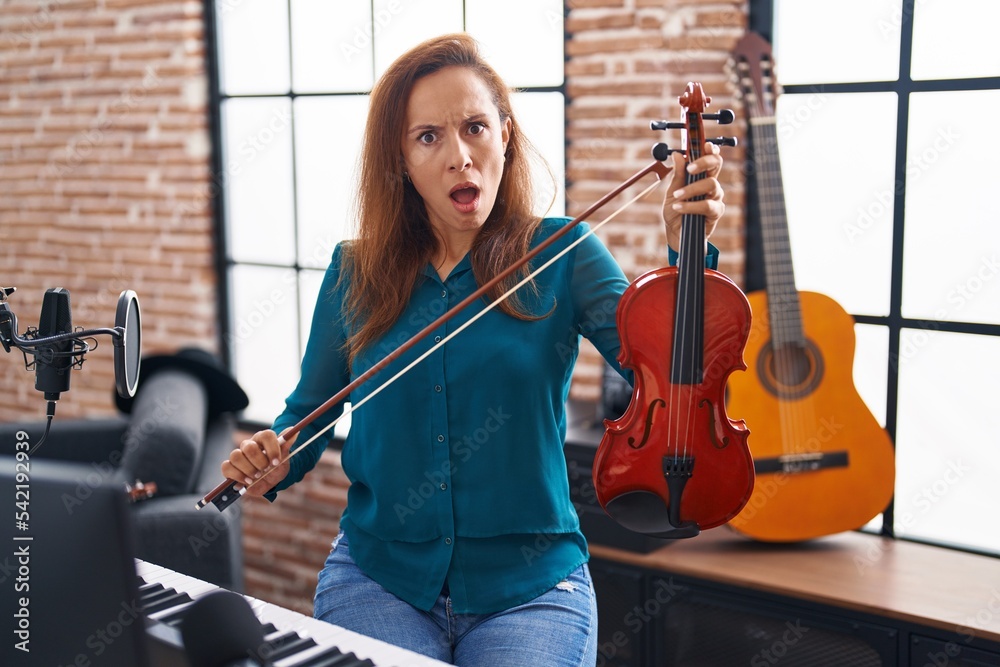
823 464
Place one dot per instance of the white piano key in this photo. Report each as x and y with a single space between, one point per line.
326 635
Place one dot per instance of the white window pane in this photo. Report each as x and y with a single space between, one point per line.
837 157
399 26
871 354
969 25
946 488
257 145
871 367
542 117
952 241
332 46
264 310
253 46
535 58
328 132
817 41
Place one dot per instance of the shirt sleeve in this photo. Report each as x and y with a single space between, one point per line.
711 257
324 373
597 285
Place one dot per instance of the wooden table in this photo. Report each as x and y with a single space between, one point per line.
931 586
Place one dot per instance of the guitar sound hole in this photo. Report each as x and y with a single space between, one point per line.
790 371
790 365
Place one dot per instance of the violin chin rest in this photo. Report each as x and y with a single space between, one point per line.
645 512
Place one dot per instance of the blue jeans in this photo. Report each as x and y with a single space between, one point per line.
558 628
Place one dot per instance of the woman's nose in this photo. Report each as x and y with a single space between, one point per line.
460 158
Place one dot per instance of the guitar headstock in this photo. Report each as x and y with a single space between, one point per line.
752 69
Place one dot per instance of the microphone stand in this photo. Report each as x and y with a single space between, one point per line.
126 367
8 334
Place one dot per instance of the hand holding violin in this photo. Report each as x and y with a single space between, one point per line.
249 462
680 200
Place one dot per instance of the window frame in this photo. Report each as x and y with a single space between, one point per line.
761 20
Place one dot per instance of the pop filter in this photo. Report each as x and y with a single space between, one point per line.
128 346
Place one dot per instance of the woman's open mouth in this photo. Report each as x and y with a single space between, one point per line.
465 197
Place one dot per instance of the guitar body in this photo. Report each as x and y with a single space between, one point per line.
823 463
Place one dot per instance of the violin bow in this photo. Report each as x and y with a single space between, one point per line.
226 493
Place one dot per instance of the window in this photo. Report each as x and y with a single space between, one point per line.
291 98
890 177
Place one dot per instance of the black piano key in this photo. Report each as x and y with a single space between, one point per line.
166 603
269 629
153 596
143 588
285 645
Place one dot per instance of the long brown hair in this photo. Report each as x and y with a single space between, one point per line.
394 240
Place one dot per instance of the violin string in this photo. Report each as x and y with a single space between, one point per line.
354 406
688 326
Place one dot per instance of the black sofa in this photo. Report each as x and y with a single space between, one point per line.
174 434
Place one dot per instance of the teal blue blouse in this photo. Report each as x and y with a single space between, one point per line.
457 469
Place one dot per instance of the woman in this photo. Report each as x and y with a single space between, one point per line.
459 539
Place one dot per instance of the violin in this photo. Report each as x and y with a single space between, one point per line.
674 463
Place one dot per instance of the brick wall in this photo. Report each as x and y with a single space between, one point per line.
104 165
104 169
627 62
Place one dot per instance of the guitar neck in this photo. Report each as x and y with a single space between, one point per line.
782 297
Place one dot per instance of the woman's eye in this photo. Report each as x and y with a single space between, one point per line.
426 138
477 128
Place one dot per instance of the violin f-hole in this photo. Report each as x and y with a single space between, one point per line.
714 427
649 424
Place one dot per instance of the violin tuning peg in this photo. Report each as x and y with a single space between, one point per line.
723 141
724 117
661 152
665 125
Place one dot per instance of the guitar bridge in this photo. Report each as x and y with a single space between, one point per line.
796 463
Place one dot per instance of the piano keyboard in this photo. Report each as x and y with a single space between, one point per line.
293 639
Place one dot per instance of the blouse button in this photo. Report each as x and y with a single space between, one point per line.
447 540
444 487
444 294
437 388
437 339
440 438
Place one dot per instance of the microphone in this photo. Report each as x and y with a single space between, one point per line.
56 348
221 630
54 361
